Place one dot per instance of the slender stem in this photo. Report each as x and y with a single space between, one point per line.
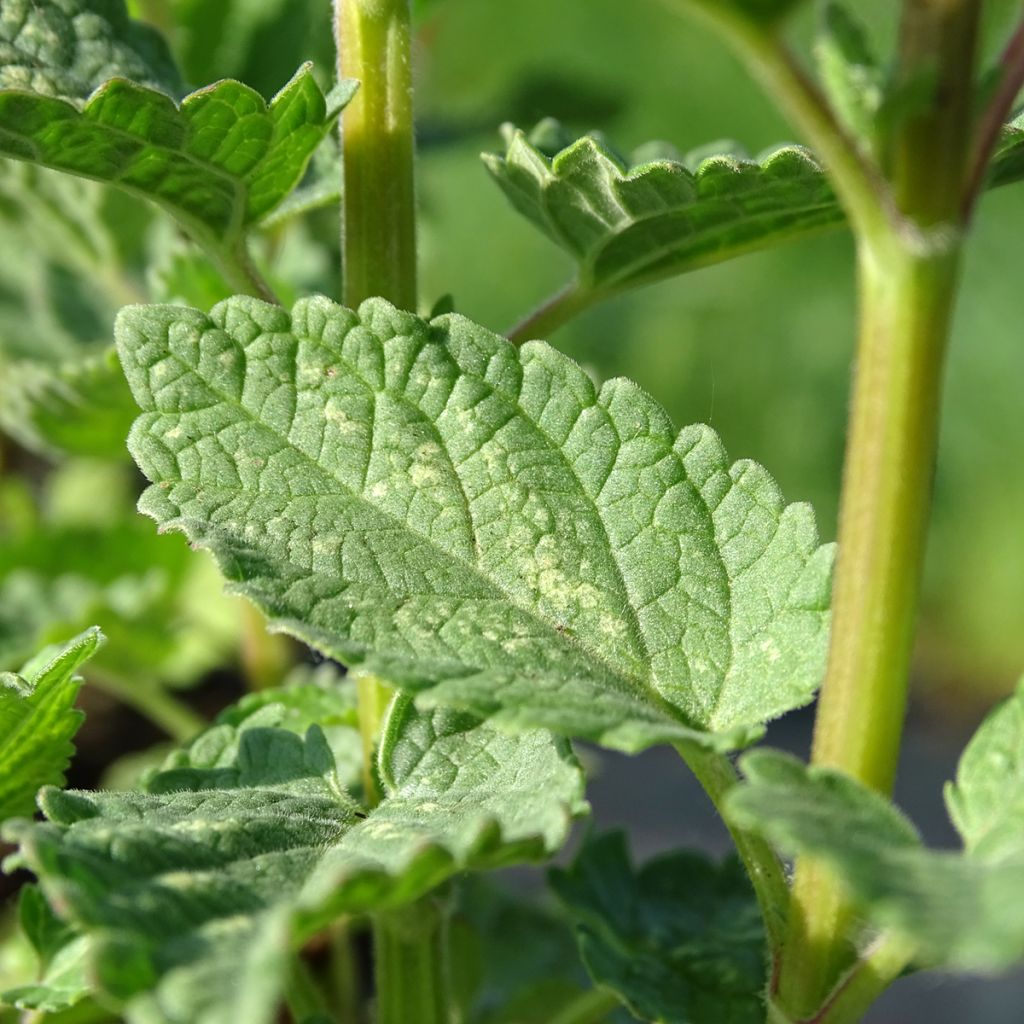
379 220
153 701
995 114
265 656
553 313
590 1008
411 965
239 271
881 965
858 183
718 776
303 995
344 974
374 697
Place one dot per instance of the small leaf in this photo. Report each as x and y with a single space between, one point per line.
194 894
680 941
37 722
629 224
855 82
62 954
311 697
69 47
514 961
464 516
987 801
961 911
218 163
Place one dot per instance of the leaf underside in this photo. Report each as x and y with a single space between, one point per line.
479 521
219 162
38 721
629 221
680 941
193 893
960 910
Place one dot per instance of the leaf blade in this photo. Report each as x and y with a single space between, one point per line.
38 721
484 516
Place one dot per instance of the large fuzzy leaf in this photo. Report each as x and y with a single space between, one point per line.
465 516
959 910
679 941
38 721
194 893
218 163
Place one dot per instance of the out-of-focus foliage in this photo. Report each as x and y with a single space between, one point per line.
82 555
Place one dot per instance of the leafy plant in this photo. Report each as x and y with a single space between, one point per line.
498 555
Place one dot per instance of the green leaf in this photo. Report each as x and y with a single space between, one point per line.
70 47
627 223
310 697
61 388
62 954
38 721
218 163
513 961
680 941
631 221
855 82
960 910
464 516
193 894
987 801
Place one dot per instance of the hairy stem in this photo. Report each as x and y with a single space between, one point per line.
908 280
374 698
378 148
906 305
717 775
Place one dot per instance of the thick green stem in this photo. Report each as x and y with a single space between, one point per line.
908 280
717 775
378 147
411 965
906 305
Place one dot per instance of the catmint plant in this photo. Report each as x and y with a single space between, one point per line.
490 554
